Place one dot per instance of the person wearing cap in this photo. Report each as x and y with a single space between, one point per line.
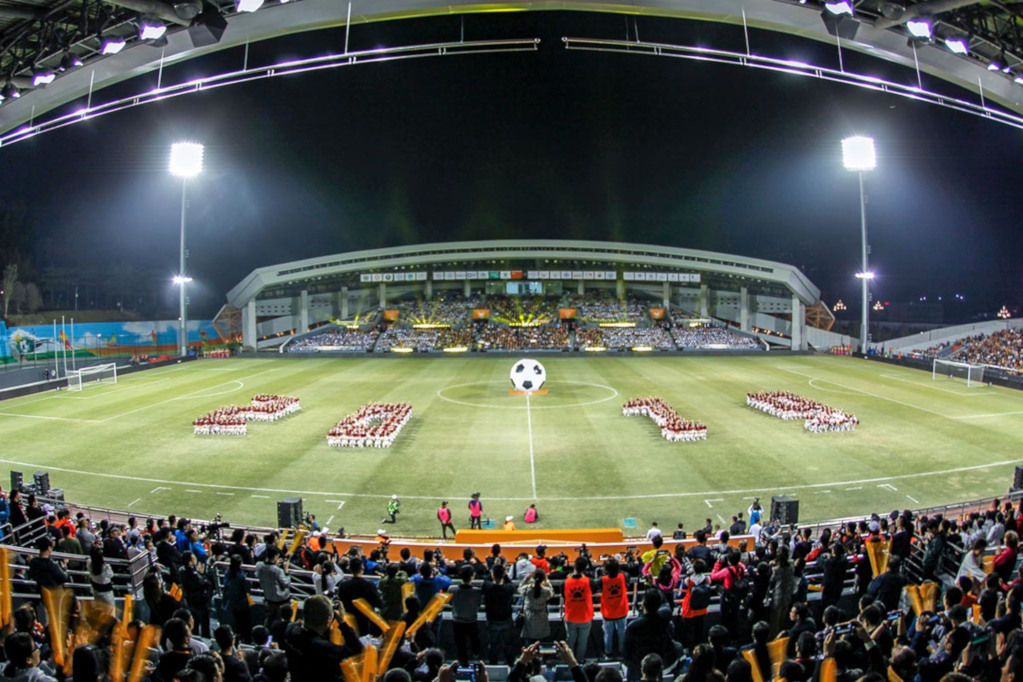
475 512
444 516
392 510
509 523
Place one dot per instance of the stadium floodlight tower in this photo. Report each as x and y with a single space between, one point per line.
858 155
185 163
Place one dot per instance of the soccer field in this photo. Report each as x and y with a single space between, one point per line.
130 445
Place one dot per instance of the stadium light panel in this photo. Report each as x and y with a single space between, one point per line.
957 45
994 66
10 91
919 28
858 153
68 62
249 5
41 78
181 279
151 29
839 7
865 275
113 45
186 159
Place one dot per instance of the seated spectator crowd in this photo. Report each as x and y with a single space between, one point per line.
351 341
703 612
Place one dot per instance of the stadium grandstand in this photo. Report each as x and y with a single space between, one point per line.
553 295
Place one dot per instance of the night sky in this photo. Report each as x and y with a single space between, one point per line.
552 144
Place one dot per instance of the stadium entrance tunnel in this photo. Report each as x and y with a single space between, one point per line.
494 394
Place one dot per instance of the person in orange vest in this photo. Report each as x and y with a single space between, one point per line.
531 515
509 523
578 608
444 516
614 605
475 512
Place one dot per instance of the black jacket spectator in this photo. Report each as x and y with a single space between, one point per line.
312 657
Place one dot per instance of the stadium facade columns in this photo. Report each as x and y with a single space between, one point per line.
467 289
704 300
303 310
798 322
666 295
382 295
428 289
744 309
620 287
249 325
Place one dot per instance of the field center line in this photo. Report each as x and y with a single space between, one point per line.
581 498
57 419
872 395
532 459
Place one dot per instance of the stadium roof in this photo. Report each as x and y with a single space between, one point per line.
48 36
294 276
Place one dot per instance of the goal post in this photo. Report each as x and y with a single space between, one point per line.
972 373
97 374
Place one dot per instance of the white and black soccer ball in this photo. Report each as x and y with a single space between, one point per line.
528 375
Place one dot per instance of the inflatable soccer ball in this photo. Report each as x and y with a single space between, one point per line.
528 375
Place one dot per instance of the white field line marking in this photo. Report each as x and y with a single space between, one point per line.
440 394
921 384
327 524
987 416
104 394
135 501
721 519
187 490
195 394
265 497
738 491
231 494
872 395
889 486
822 492
532 459
828 390
913 499
157 489
56 419
716 499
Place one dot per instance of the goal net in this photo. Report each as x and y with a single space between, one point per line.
97 374
973 374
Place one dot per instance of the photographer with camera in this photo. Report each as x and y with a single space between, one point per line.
312 657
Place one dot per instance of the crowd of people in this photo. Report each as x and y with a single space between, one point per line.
374 425
232 420
817 417
713 337
703 611
624 338
348 340
673 427
1002 349
452 309
492 336
611 309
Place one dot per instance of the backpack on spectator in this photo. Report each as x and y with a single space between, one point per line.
699 597
738 595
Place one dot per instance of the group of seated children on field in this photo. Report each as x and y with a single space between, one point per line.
374 425
673 427
232 419
817 417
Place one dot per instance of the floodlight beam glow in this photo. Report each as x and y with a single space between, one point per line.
186 159
858 153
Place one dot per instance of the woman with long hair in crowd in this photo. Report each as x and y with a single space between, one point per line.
536 593
101 575
237 600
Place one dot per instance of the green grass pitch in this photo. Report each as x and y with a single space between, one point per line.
130 445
